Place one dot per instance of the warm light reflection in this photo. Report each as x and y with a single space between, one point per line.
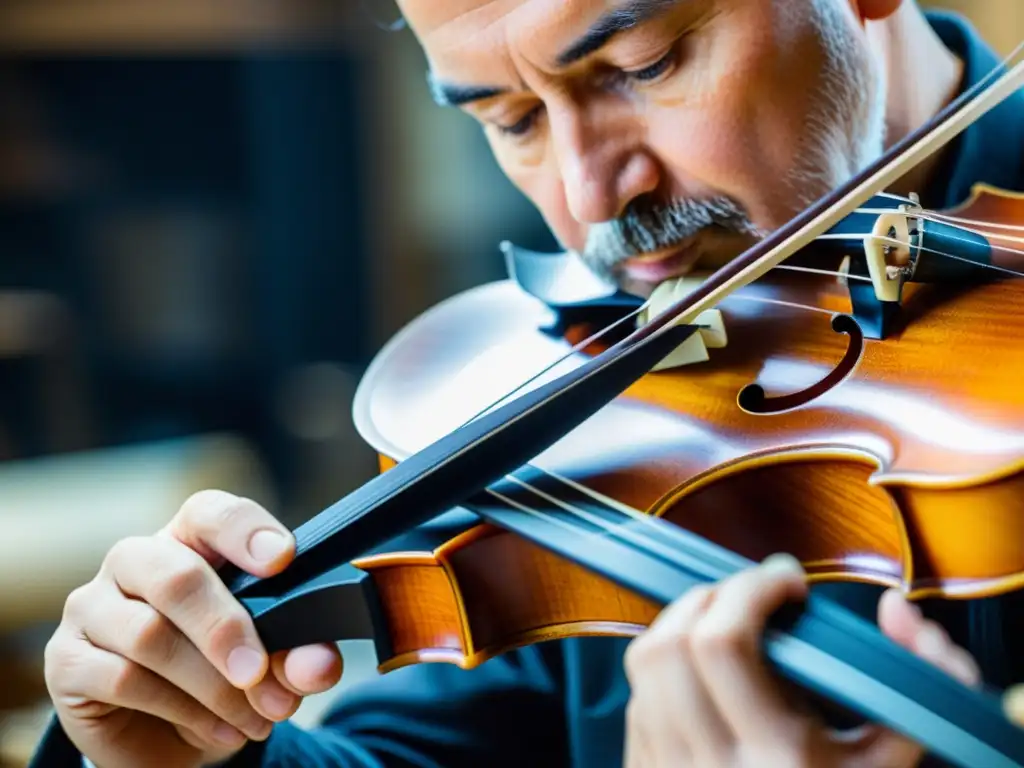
910 412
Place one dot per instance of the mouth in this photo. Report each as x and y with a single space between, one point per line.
665 264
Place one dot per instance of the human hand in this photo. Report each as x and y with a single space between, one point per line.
702 694
156 663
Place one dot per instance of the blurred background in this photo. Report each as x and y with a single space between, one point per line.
211 216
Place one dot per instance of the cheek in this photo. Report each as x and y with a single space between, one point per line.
736 122
542 185
726 151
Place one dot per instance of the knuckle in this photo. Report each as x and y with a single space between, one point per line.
58 664
67 670
201 501
226 627
152 638
231 704
216 510
77 603
121 681
634 658
716 638
122 551
236 511
643 654
184 580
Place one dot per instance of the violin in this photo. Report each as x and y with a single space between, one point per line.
561 459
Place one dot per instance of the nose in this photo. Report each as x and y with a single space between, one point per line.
603 165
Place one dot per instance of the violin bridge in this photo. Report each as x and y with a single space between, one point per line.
891 250
711 324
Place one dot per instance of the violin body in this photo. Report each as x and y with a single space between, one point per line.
893 461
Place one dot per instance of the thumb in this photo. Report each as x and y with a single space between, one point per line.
903 623
221 527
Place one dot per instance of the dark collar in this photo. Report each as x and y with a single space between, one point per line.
992 149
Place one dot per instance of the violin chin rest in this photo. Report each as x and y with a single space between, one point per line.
711 324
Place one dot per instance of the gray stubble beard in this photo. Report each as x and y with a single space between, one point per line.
846 132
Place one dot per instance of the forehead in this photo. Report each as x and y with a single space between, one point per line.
467 37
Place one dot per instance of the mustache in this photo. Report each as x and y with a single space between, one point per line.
648 226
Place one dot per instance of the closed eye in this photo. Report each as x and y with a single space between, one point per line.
521 126
653 71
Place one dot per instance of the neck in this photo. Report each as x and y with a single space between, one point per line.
922 76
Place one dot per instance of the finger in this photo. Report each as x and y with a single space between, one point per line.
680 713
297 673
308 669
1013 703
220 525
182 586
726 645
903 622
274 699
871 745
88 675
139 633
637 741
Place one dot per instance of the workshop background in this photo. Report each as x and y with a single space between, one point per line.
211 216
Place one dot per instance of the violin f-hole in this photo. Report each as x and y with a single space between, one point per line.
752 398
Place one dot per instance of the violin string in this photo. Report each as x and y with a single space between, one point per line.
683 557
643 519
677 558
956 222
954 257
937 216
826 272
894 196
600 333
638 537
738 295
625 508
937 252
981 232
648 542
597 335
575 348
960 224
968 224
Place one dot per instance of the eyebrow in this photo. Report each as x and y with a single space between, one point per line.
614 22
454 95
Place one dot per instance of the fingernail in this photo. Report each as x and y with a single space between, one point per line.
267 545
227 735
244 666
781 563
277 703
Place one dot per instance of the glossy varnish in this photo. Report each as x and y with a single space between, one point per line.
894 462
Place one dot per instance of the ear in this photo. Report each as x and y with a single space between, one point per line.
874 10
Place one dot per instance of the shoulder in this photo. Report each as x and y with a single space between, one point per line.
990 151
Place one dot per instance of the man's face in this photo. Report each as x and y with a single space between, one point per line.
654 135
